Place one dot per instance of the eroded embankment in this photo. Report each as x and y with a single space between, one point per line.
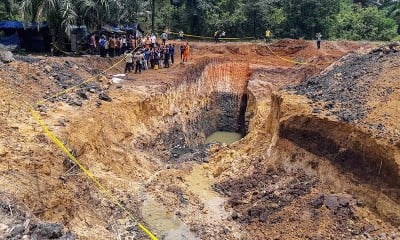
345 145
289 177
299 168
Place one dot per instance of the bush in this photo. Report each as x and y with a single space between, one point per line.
396 39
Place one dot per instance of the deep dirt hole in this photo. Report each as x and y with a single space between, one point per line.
147 147
175 124
215 101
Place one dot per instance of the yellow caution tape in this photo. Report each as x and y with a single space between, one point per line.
86 81
58 49
197 36
86 171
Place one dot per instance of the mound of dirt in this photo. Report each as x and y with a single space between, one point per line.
346 88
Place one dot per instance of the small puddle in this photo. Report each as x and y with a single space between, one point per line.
167 225
200 185
224 137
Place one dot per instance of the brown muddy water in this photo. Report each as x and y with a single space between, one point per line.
224 137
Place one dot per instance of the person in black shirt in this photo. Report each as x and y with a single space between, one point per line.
172 52
166 57
182 51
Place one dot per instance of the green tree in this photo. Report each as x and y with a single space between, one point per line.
93 13
227 15
254 11
60 14
358 23
277 21
393 11
9 10
304 18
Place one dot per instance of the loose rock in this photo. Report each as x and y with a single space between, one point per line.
6 56
103 96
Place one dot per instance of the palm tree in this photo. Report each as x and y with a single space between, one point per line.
93 13
59 14
392 8
62 14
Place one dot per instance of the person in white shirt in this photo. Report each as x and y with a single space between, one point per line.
180 35
128 61
124 44
164 37
153 39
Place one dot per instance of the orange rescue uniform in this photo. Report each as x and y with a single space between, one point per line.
186 53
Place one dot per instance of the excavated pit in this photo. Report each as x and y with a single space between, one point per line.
215 97
166 128
148 146
212 101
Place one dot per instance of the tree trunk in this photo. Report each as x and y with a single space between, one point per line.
255 23
153 12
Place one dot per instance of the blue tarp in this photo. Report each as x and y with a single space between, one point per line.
132 27
123 28
20 25
31 37
10 40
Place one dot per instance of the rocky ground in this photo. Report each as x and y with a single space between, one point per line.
320 159
17 224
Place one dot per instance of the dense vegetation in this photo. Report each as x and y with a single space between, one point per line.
341 19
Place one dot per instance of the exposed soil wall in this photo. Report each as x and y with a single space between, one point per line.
344 145
214 101
179 120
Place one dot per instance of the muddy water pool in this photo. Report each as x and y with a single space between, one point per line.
224 137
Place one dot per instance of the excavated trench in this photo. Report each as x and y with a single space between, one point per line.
172 127
214 100
138 137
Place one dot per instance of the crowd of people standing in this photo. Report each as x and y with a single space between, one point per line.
141 53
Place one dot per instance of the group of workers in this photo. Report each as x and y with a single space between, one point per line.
152 55
141 53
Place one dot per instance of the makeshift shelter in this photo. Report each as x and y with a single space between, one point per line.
109 30
31 37
78 36
134 29
10 42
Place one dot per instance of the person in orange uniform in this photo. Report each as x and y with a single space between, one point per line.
147 42
186 52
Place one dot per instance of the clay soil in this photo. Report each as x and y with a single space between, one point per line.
320 159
